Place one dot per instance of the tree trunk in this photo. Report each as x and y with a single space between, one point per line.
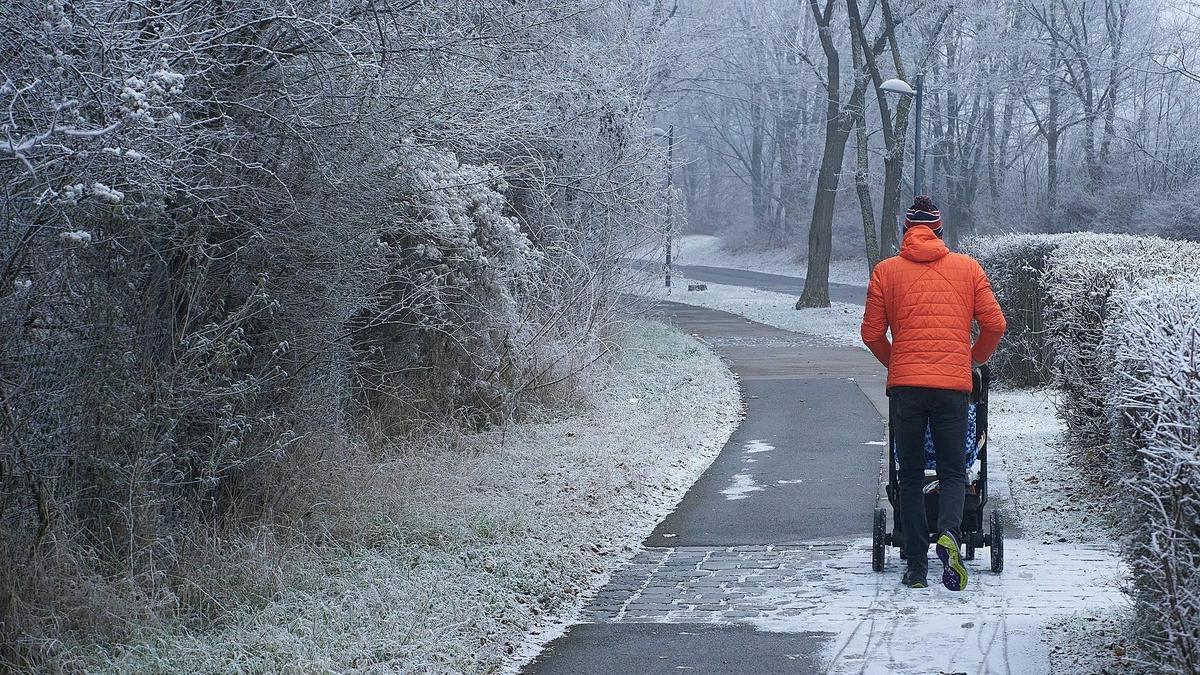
1052 136
820 231
787 131
1115 13
789 176
861 175
820 228
759 200
1051 181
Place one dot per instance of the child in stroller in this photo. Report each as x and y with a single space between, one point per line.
972 528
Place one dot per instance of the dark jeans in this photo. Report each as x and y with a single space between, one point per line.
945 412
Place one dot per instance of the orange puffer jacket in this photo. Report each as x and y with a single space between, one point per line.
928 297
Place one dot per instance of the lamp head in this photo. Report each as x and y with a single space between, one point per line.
896 86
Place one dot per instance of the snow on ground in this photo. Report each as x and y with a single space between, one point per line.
455 559
995 626
1048 494
1097 642
1061 582
1054 508
838 323
700 249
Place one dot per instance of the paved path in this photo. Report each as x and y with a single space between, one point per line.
763 281
764 566
768 282
794 470
803 466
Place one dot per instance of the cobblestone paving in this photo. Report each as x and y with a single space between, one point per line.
701 584
741 583
880 626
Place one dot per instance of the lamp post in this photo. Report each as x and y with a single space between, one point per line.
895 86
670 136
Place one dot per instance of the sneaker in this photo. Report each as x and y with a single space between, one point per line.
954 572
914 579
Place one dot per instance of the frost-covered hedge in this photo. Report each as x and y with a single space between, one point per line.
1152 345
1114 322
1055 291
1083 273
1016 266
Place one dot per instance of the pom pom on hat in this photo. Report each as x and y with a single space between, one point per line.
924 212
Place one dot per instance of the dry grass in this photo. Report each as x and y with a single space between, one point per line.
428 561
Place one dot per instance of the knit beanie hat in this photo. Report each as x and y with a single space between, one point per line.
924 212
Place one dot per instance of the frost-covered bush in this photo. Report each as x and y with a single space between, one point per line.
458 268
1016 264
1152 343
236 236
1082 273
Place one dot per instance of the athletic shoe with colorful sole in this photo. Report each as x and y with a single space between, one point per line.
954 572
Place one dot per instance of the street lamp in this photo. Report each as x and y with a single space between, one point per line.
670 136
902 88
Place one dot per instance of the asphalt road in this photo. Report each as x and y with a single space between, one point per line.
777 283
803 466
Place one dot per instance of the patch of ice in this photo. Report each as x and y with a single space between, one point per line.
756 445
743 485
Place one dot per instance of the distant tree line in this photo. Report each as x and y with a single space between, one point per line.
1040 116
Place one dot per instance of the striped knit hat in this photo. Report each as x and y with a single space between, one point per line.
924 212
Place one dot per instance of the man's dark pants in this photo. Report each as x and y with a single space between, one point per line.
945 412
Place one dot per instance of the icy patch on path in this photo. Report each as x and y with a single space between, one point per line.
995 626
756 446
743 485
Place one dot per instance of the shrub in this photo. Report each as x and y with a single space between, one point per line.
1152 344
238 236
1083 272
1015 265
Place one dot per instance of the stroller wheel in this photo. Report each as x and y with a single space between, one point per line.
997 542
878 539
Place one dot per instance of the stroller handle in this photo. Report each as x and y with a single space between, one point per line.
981 377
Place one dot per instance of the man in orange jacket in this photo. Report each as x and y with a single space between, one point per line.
929 298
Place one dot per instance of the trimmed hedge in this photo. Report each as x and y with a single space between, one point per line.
1152 346
1015 266
1113 321
1083 273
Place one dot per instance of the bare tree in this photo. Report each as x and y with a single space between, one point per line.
840 120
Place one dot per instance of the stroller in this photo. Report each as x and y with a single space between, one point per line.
973 533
